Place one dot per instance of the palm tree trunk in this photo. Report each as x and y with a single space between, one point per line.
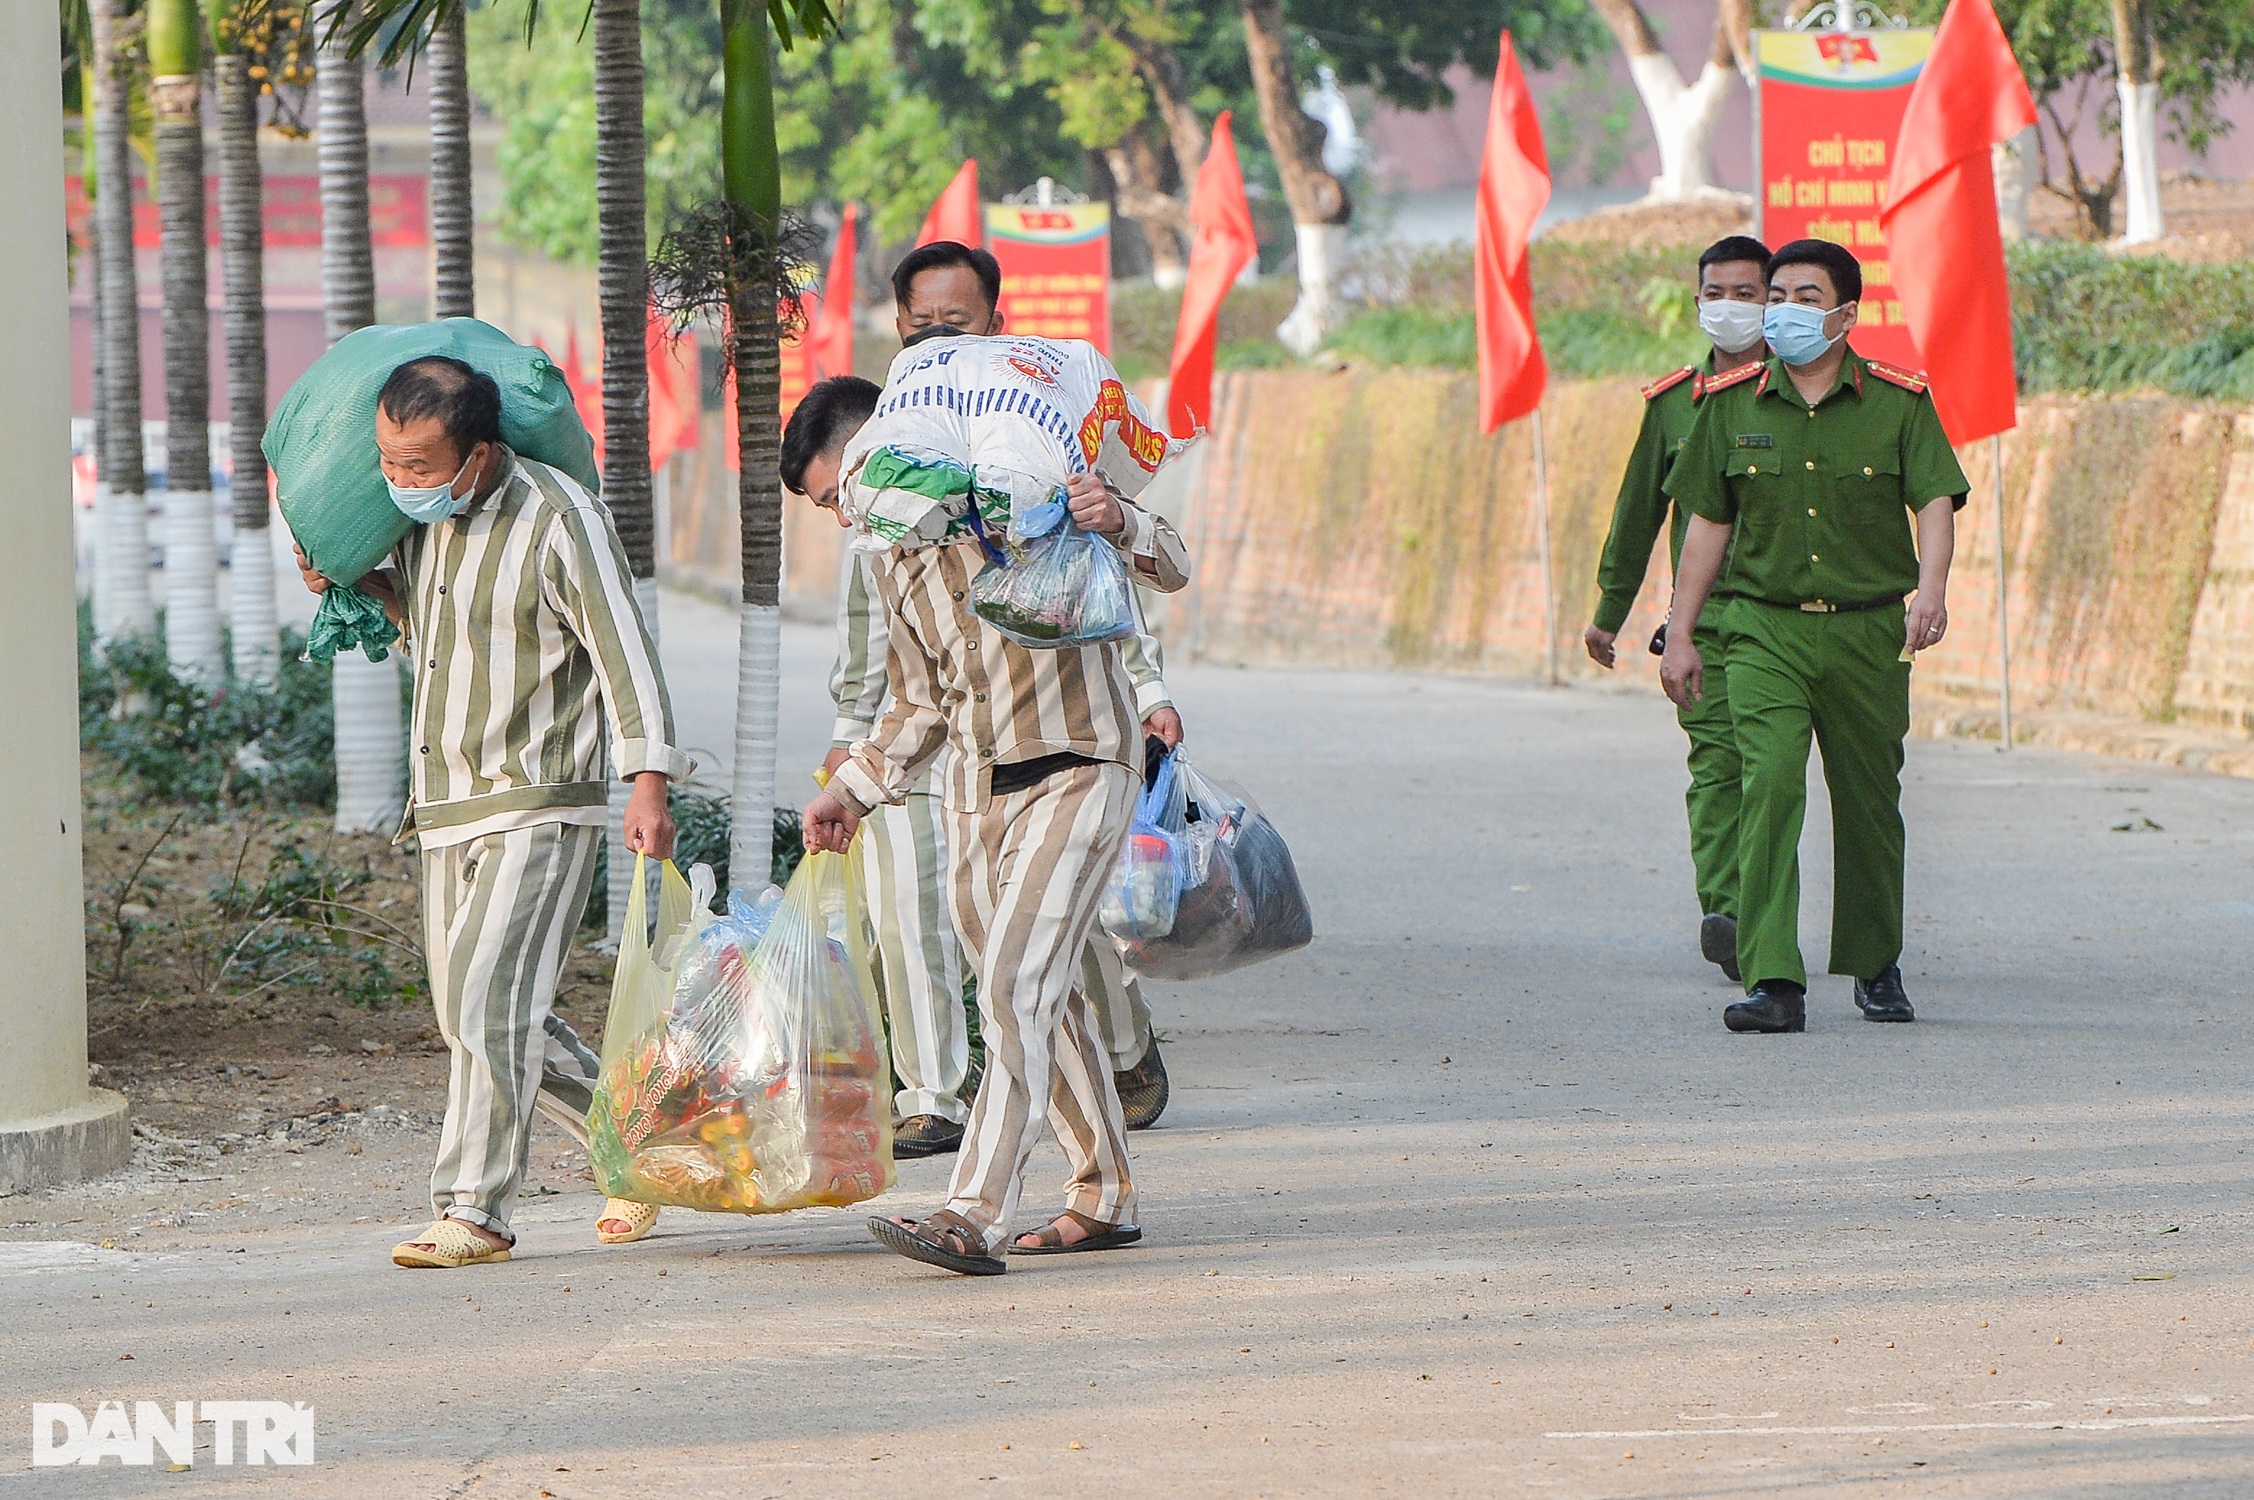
191 556
623 280
371 738
1320 207
453 278
242 252
121 595
752 173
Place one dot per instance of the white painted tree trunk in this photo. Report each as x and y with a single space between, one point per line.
759 695
620 861
191 588
1316 315
1683 118
122 602
2140 161
371 761
2013 162
252 628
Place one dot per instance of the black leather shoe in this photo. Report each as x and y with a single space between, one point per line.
1717 943
926 1135
1774 1005
1144 1090
1882 999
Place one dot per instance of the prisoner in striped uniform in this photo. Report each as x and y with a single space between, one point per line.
919 964
1044 755
527 645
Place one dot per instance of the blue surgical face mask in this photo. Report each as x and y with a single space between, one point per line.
1796 332
425 504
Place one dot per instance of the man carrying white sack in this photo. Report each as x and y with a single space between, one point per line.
521 623
1045 745
938 290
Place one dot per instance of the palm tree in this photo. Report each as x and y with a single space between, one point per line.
242 252
191 560
623 284
121 597
452 211
371 739
751 178
434 31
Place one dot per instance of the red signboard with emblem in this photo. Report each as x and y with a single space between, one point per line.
1829 107
398 211
1056 269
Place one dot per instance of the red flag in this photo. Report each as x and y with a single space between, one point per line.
1514 184
833 329
1219 249
1942 238
675 408
957 215
586 393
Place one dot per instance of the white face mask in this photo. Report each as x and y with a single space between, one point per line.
1733 326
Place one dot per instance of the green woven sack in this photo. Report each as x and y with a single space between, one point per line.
322 441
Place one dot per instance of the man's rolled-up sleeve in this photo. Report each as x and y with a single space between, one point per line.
1154 550
883 767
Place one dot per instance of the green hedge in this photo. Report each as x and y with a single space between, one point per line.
2083 320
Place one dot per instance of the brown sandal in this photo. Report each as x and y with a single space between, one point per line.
946 1240
1095 1235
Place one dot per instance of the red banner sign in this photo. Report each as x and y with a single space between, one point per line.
1056 269
398 211
1830 105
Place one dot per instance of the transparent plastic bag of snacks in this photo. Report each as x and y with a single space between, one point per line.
762 1088
1241 899
1145 891
1061 588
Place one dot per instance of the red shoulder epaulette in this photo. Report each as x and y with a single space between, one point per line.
1666 383
1709 384
1913 381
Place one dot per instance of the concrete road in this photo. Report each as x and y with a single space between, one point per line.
1475 1197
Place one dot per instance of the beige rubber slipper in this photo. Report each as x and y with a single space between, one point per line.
447 1245
640 1219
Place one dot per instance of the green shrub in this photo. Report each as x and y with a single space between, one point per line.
2083 320
239 744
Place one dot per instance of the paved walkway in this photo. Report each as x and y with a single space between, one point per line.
1475 1197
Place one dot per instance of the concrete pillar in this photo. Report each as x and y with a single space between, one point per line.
52 1126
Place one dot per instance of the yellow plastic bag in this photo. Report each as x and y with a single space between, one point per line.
641 986
760 1083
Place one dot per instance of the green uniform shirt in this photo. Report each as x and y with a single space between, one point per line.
1670 406
1820 496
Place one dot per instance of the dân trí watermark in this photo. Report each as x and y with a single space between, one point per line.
248 1432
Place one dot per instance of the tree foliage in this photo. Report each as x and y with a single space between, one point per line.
2065 48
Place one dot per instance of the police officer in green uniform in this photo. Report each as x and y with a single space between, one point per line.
1733 287
1802 477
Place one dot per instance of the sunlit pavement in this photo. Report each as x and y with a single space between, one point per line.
1474 1197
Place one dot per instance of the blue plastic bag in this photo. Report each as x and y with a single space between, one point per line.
1063 587
1145 891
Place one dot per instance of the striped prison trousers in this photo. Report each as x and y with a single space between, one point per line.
920 965
1028 873
498 916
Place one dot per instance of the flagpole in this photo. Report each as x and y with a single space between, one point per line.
1549 589
2003 583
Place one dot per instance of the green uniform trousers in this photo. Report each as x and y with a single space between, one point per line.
1841 677
1715 774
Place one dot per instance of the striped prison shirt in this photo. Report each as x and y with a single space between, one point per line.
523 632
858 683
957 682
